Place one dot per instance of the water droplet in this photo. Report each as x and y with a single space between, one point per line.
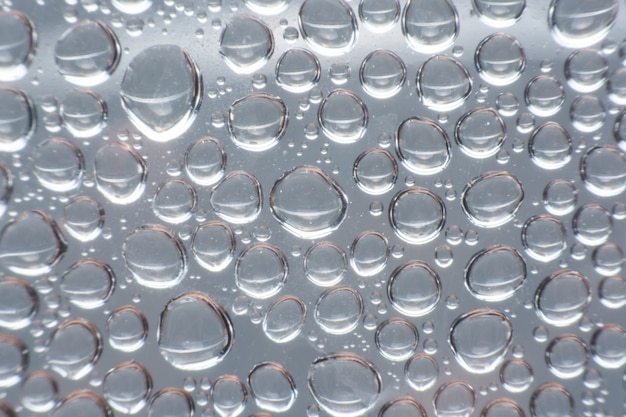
127 387
612 292
17 42
257 122
308 203
127 328
516 375
592 225
13 360
84 113
344 384
423 146
39 392
342 115
284 319
603 169
87 53
480 133
551 399
544 95
379 15
560 197
608 344
229 396
430 26
261 271
578 25
82 402
272 387
562 298
493 198
155 257
174 201
246 44
375 171
325 264
17 119
132 6
421 372
587 113
83 218
369 253
495 273
500 13
58 164
396 339
414 289
162 108
417 226
194 332
566 356
74 348
205 161
18 303
171 402
237 198
120 173
607 259
543 238
443 83
338 310
328 26
586 70
213 245
550 147
402 406
267 7
500 59
382 74
616 86
88 283
454 399
297 70
507 104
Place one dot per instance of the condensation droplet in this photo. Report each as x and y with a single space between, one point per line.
174 201
608 345
58 165
257 122
396 339
587 113
566 356
325 264
246 44
454 399
369 253
414 289
550 146
343 116
544 238
120 173
170 402
421 372
17 43
500 13
284 319
603 170
495 273
205 161
612 292
74 348
382 74
127 328
562 298
443 83
492 199
261 271
592 224
88 283
379 16
480 133
82 402
328 26
127 387
84 113
267 7
430 26
83 218
586 70
39 392
229 395
551 399
297 70
500 59
402 406
423 146
544 96
516 375
417 226
338 310
19 303
17 119
560 197
272 387
578 25
213 245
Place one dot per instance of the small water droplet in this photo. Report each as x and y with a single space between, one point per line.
171 402
551 399
18 42
550 147
82 402
396 339
213 245
325 264
174 201
375 171
369 253
17 119
612 292
608 259
566 356
608 345
587 113
543 238
83 218
586 70
58 165
343 116
257 122
544 95
84 113
132 6
19 303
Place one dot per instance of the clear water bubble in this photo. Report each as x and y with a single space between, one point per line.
616 87
567 356
58 165
612 292
120 173
298 70
402 406
454 399
423 146
171 402
308 203
603 170
544 96
237 198
74 348
19 303
550 146
174 201
88 283
31 244
562 298
194 332
396 339
586 70
382 74
417 226
338 310
480 133
261 271
443 83
344 384
607 259
257 122
272 387
502 407
587 113
608 345
84 113
229 396
500 59
592 224
39 392
246 44
500 13
83 218
495 273
516 375
127 328
166 112
155 257
343 116
551 399
267 7
375 171
82 402
421 372
544 238
328 26
369 253
325 264
17 43
560 197
87 53
379 16
14 358
284 319
430 26
578 25
132 6
492 199
213 245
414 289
127 387
17 119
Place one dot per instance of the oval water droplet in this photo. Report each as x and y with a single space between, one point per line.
127 328
229 395
88 283
500 13
562 298
213 245
127 387
325 264
454 399
543 238
171 402
578 25
39 392
58 165
544 95
13 360
382 74
375 171
500 59
493 198
284 319
495 273
607 259
344 384
566 356
603 169
423 146
343 116
443 83
550 400
338 310
612 292
83 218
17 43
560 197
246 44
396 339
587 113
257 122
369 253
402 406
592 224
74 348
608 344
120 173
586 70
272 387
261 271
297 70
19 303
174 201
414 289
205 161
550 146
328 26
17 119
516 375
237 198
379 15
421 372
84 113
417 226
480 133
82 402
430 26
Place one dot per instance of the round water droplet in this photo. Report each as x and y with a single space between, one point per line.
171 402
58 165
443 83
338 310
402 406
616 86
543 238
325 264
267 7
592 225
17 43
167 111
88 283
607 259
127 328
500 59
550 146
261 271
74 348
414 289
194 332
609 346
562 298
284 319
343 116
87 53
84 113
257 122
120 173
396 339
480 133
430 26
603 169
566 356
229 396
516 375
83 218
421 372
82 402
344 384
586 70
382 74
127 387
17 119
560 197
454 399
13 360
375 171
297 70
155 257
423 146
551 399
369 253
213 245
308 203
544 95
328 26
39 392
246 44
612 292
132 6
587 113
495 273
272 387
492 199
379 15
237 198
502 407
417 226
174 201
19 303
578 25
31 244
499 13
205 161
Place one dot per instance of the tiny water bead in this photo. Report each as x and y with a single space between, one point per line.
375 171
82 402
328 26
171 402
587 113
88 283
562 298
257 122
421 372
551 399
40 392
566 356
267 7
544 96
586 70
500 59
14 360
603 170
430 26
83 218
174 201
544 238
454 398
516 375
550 146
608 345
396 339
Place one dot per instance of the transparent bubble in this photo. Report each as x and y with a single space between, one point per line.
550 147
516 375
171 402
174 201
39 392
421 372
587 113
608 259
566 356
84 113
616 86
205 161
19 303
120 173
603 170
237 198
402 406
83 218
612 292
229 396
246 44
375 171
58 164
423 146
608 345
544 96
82 402
13 360
213 245
369 253
551 399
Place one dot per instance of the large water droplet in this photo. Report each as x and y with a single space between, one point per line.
246 44
205 161
430 26
603 169
19 303
39 392
325 264
382 74
83 218
284 319
396 339
58 165
543 238
88 283
612 292
174 201
493 198
423 146
343 116
17 119
256 122
581 24
414 289
369 253
338 310
500 13
213 245
417 226
443 83
480 133
566 356
13 360
562 298
495 273
127 387
261 271
84 113
379 15
454 399
82 403
17 43
500 59
297 70
237 198
74 348
272 387
587 113
609 346
551 400
120 173
586 70
329 26
127 328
